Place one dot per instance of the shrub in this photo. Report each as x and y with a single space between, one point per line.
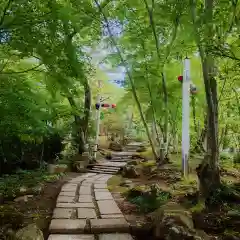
147 200
225 156
236 158
10 185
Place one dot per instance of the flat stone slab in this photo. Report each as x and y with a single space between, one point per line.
69 188
103 196
84 213
68 194
100 190
85 199
86 184
75 205
108 207
84 190
67 226
109 225
76 180
112 216
89 175
63 213
100 186
71 237
65 199
115 236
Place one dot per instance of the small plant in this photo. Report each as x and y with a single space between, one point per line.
149 163
147 200
199 207
225 156
12 186
236 158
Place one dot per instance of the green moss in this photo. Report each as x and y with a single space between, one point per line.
114 184
199 207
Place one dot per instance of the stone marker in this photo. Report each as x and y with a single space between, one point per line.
75 205
67 226
84 213
103 196
109 225
65 199
63 213
85 199
108 207
71 237
115 236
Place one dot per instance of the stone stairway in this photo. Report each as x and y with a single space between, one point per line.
86 210
107 167
118 161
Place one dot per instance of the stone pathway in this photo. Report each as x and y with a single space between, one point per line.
86 210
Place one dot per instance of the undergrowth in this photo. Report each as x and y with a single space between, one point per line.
147 200
17 184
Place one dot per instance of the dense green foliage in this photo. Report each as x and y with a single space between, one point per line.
49 73
147 200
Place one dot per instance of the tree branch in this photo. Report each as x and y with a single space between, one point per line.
24 71
5 11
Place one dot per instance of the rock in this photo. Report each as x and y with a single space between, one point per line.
127 183
130 172
138 156
31 232
23 189
23 198
134 162
210 222
57 168
141 149
1 199
115 146
172 221
38 189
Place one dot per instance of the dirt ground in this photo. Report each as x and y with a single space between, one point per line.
183 192
38 209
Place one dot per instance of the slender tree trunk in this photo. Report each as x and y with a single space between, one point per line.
130 80
208 170
87 109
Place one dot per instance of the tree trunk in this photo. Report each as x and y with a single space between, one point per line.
208 170
87 109
130 80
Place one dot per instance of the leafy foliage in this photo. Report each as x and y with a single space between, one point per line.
11 185
147 200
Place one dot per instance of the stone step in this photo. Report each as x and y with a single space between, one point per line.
106 169
99 171
122 160
114 225
106 166
106 236
96 226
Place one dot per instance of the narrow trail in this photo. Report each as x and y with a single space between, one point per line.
86 210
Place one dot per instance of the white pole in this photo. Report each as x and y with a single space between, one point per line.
98 111
185 116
